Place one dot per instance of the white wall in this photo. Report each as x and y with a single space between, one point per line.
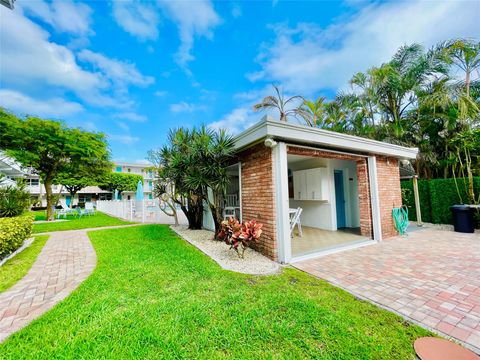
323 215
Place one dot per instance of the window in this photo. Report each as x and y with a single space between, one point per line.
84 198
150 184
150 197
119 169
129 170
34 182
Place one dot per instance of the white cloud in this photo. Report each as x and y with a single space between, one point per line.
32 61
236 11
130 116
237 120
121 73
53 107
160 93
184 107
194 19
139 20
122 125
63 15
307 58
124 139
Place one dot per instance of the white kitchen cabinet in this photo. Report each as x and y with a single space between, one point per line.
311 184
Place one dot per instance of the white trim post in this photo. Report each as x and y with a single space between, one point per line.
240 190
417 200
374 199
280 168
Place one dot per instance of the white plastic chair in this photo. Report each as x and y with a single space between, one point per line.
295 220
65 210
89 208
229 212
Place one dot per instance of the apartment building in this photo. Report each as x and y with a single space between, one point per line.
12 170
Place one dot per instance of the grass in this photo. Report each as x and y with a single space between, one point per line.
76 223
153 295
17 267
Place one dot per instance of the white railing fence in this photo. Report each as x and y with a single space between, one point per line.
145 211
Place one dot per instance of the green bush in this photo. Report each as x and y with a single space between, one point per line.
13 200
436 197
13 232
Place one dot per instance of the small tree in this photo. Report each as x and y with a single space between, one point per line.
49 147
121 182
195 161
90 172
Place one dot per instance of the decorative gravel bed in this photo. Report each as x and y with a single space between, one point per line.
253 262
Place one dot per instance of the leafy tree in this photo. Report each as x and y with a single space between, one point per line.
285 106
88 172
194 162
49 147
121 182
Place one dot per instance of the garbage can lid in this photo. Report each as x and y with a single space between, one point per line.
460 207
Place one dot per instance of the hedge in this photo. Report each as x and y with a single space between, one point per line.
13 232
436 197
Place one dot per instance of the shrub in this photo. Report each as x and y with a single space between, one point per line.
13 232
436 197
13 200
239 236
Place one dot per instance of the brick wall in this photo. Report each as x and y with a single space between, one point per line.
258 195
362 176
389 192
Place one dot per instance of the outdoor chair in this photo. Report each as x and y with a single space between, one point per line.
89 208
64 211
229 212
80 212
295 220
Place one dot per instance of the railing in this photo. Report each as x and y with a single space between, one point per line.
145 211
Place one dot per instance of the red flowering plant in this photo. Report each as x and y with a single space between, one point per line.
239 236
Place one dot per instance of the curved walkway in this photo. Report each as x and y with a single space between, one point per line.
66 260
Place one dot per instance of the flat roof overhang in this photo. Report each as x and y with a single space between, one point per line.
301 134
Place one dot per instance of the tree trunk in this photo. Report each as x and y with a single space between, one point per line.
48 191
194 212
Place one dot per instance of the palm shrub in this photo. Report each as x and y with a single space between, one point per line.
13 200
194 163
239 236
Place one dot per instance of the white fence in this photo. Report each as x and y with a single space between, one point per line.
145 211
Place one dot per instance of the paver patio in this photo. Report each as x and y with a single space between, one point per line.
66 260
431 277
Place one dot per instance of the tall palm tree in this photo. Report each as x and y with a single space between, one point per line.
313 112
285 106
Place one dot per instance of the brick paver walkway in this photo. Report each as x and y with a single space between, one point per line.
431 277
66 260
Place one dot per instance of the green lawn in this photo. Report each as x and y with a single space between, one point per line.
17 267
153 295
74 223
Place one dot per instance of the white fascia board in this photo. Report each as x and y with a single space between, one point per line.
268 127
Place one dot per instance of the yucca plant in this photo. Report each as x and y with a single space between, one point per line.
13 200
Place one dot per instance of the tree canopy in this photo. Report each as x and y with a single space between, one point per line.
121 182
50 148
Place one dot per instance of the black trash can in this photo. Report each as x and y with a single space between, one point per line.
463 218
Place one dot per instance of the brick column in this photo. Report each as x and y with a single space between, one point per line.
258 195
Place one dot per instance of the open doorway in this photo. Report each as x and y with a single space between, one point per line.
326 193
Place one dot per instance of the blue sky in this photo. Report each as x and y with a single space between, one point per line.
133 70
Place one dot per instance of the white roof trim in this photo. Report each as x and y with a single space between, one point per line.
268 127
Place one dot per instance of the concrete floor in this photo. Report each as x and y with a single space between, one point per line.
429 276
315 239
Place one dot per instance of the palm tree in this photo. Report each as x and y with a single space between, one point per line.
313 112
280 103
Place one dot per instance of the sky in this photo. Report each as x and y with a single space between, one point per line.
134 70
